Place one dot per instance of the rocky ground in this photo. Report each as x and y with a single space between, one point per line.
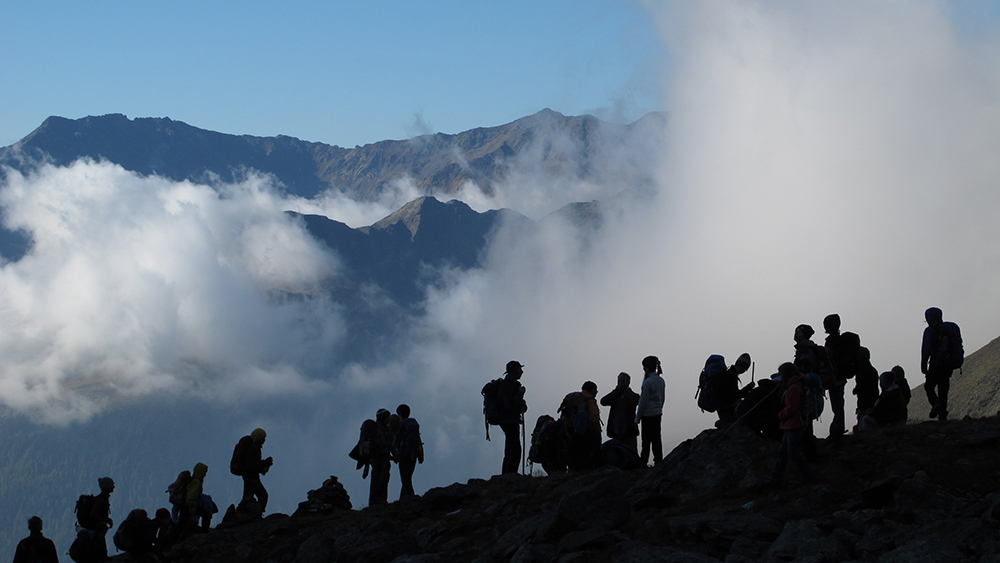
923 492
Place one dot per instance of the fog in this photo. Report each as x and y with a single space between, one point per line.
820 159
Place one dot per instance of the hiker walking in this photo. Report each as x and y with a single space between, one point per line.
621 420
380 445
649 412
843 352
940 354
504 406
409 450
35 548
247 463
792 421
197 505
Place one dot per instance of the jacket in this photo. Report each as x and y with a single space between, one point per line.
194 488
651 398
790 416
621 420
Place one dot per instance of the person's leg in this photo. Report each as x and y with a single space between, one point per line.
657 442
838 424
406 467
943 385
647 439
779 465
512 448
930 384
795 452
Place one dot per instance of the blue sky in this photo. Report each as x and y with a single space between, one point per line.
343 73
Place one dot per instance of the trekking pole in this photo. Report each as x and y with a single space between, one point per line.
752 366
524 447
752 408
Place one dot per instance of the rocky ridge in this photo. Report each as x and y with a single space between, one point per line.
923 492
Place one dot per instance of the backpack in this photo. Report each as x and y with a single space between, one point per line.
813 399
845 355
539 438
84 507
574 413
128 537
951 353
241 452
496 405
409 438
708 383
79 550
178 489
362 452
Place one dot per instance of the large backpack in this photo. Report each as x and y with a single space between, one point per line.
709 382
812 397
84 508
409 438
178 489
362 452
845 355
951 353
498 408
80 550
241 453
574 413
129 535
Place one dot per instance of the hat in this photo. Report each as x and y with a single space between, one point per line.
514 364
106 483
258 435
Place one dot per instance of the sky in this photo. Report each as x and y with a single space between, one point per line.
819 158
344 73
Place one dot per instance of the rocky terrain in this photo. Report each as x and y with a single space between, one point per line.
923 492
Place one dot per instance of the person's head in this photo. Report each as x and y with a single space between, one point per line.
933 316
514 369
107 484
898 372
651 364
590 387
831 324
886 380
200 470
382 416
395 422
865 355
624 379
163 515
403 411
35 525
258 436
742 363
803 333
787 370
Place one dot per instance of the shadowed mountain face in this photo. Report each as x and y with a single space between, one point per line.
561 146
975 391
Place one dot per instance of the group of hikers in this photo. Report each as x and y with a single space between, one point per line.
783 407
145 538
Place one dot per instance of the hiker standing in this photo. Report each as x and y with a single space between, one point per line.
650 409
842 351
35 548
381 459
582 422
100 518
197 505
621 420
866 385
504 406
792 422
941 353
247 463
409 450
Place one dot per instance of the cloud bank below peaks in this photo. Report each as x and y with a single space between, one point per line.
139 284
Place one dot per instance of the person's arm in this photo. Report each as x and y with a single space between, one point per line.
926 348
643 400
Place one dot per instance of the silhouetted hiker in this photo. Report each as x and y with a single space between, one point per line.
582 420
792 421
759 410
904 385
35 548
719 388
166 530
809 356
409 450
381 459
247 463
549 445
621 420
197 505
135 536
650 409
843 352
890 408
940 353
504 406
866 385
100 515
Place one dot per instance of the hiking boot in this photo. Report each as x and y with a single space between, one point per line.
943 415
934 412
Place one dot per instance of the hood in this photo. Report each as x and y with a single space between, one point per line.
200 470
933 316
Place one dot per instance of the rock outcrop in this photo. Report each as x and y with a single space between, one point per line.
924 492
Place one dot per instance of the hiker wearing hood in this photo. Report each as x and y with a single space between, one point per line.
251 467
792 423
197 505
866 385
941 353
650 409
100 515
621 420
35 548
